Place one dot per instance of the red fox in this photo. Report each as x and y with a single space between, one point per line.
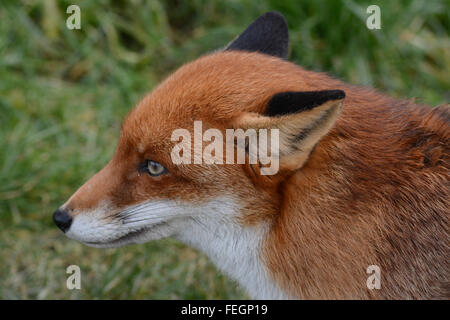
363 179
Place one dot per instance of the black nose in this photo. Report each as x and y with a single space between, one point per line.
62 219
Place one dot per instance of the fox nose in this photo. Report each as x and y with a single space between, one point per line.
62 219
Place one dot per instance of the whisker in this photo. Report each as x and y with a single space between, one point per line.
146 207
137 210
150 211
148 214
129 221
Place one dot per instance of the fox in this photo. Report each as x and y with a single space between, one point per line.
362 180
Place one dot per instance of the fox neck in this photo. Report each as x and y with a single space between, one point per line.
234 249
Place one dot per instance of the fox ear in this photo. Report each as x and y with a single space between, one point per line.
268 34
302 119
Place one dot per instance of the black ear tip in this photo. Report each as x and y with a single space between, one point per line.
274 16
268 34
285 103
336 94
276 21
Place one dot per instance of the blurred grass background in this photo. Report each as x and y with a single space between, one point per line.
64 93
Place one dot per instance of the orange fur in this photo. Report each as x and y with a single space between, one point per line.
375 190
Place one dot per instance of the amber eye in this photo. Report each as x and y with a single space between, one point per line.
155 169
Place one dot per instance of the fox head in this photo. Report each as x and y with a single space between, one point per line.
142 194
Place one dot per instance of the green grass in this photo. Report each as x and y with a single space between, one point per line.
64 93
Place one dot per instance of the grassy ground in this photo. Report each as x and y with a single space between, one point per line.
63 94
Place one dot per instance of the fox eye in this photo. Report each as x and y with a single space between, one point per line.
155 168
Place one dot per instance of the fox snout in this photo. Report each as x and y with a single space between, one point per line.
87 197
62 219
